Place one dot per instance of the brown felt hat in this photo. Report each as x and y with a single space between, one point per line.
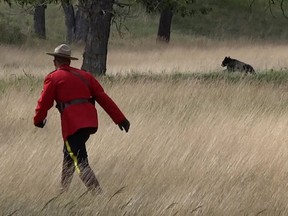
63 51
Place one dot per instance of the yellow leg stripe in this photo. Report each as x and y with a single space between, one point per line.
74 158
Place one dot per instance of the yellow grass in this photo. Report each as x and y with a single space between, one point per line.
199 55
193 148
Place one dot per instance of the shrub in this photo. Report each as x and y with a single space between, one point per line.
10 34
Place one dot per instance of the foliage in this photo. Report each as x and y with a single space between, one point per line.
29 2
182 7
227 20
235 19
13 34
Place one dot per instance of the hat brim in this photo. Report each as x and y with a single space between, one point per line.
62 56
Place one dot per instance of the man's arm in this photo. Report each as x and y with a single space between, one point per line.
109 106
45 102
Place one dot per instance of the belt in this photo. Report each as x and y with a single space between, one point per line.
75 101
61 106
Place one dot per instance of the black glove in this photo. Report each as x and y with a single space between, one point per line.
41 124
124 124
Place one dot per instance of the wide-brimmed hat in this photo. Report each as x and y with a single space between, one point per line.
63 51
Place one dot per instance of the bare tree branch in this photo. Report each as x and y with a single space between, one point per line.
119 17
282 9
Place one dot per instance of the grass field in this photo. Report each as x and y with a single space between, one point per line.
200 55
195 147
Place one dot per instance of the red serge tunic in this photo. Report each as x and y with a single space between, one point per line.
63 86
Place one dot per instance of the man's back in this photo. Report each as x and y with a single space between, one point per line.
69 86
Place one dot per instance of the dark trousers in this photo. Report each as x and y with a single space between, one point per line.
75 158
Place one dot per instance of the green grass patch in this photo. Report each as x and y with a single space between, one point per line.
20 82
267 77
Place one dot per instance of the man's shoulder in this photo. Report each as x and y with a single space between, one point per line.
54 75
49 75
85 73
52 72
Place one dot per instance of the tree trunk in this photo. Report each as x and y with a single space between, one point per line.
99 16
81 25
39 20
69 20
164 28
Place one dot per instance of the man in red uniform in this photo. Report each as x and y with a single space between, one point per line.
75 92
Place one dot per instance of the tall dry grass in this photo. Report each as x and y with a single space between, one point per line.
197 55
193 148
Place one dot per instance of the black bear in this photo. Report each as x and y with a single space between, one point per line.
236 65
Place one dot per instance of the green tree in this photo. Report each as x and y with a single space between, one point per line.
39 7
98 14
167 8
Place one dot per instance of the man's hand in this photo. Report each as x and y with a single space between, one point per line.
124 124
41 124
